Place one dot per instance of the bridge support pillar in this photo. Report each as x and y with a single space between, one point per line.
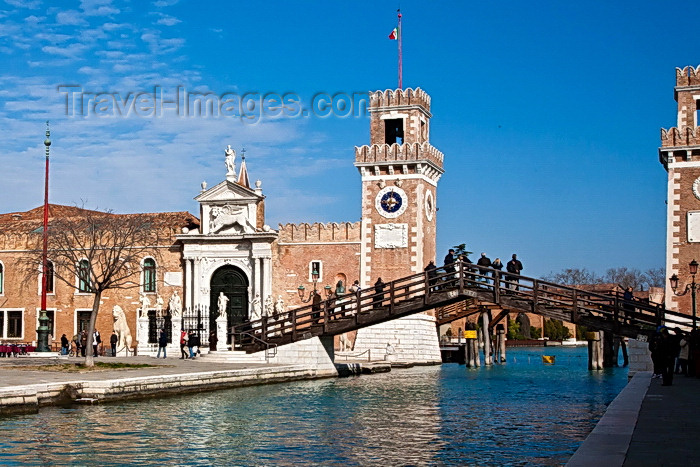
471 347
608 358
500 344
486 335
595 350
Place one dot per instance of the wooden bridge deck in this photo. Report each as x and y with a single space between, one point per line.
467 290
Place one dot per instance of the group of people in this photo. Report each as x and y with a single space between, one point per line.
79 342
189 344
513 267
677 353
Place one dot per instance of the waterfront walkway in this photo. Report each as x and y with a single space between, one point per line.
646 425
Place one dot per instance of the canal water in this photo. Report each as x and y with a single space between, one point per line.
521 413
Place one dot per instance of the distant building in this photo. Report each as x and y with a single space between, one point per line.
230 249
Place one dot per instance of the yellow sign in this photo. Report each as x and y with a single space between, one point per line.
470 334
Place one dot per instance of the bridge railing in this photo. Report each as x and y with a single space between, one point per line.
543 297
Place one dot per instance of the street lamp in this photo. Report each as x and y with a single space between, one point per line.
673 280
314 277
43 331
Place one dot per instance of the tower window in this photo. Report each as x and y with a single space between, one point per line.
393 131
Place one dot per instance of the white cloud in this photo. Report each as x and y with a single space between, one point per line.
72 51
167 20
30 4
98 7
70 17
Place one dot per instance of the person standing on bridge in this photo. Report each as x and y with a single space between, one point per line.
514 267
484 262
379 293
431 270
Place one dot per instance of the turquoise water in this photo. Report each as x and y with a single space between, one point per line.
521 413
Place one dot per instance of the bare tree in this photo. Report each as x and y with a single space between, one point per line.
625 277
655 277
573 276
97 251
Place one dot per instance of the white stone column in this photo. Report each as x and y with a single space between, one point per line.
267 278
221 332
195 281
255 280
187 283
142 334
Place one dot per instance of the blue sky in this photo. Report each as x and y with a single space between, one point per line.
548 113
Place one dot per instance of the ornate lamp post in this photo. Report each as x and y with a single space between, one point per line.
693 269
43 331
314 277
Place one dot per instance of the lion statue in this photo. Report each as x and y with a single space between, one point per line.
122 329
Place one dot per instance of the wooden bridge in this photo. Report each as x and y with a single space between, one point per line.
461 291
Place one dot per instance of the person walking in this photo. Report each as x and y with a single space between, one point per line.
213 341
83 343
194 344
162 343
431 271
113 339
682 364
96 341
76 341
184 337
64 345
514 267
379 293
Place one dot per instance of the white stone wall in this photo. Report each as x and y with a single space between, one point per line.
413 339
640 357
315 353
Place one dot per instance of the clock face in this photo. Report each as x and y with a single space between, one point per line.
391 202
696 188
429 205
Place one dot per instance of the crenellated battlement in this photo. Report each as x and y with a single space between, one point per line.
688 76
398 153
399 97
319 232
674 137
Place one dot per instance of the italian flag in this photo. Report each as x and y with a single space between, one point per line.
394 34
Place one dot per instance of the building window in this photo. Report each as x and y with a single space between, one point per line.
49 278
14 324
318 267
84 276
2 279
83 319
2 323
393 130
149 275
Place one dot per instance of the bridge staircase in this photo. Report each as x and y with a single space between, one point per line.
456 293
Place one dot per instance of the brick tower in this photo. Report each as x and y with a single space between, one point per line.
400 170
680 155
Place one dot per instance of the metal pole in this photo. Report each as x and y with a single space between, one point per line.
692 289
43 331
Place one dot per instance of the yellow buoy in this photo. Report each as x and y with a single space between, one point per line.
548 359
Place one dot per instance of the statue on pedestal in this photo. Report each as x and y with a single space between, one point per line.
175 305
145 304
121 327
223 303
159 306
230 161
279 306
256 308
269 309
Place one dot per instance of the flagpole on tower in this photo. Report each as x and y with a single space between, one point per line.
400 52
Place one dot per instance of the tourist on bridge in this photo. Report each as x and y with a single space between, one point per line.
628 307
379 293
431 269
497 264
485 262
514 267
450 261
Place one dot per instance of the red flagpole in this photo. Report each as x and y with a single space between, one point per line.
400 54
